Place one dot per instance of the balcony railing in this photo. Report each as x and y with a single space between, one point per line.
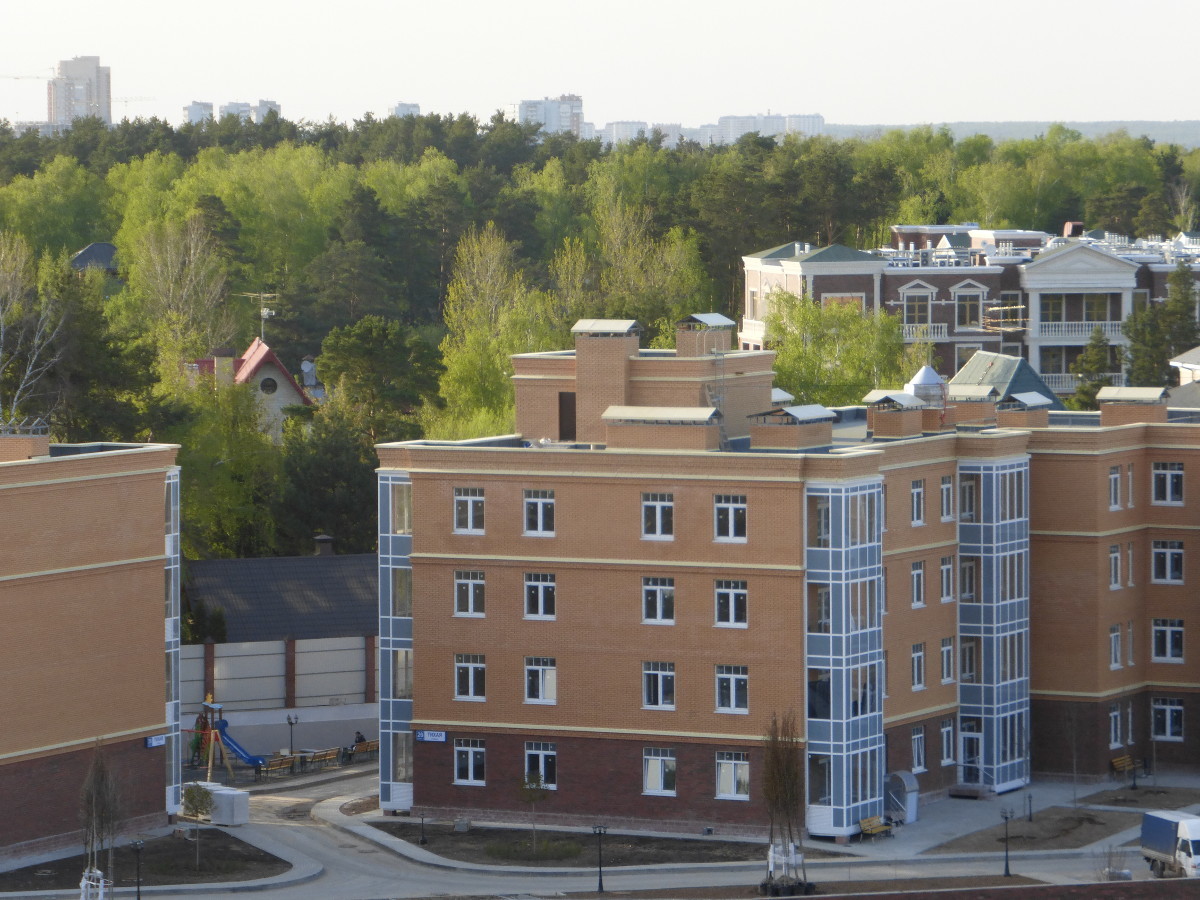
1065 383
1081 330
932 331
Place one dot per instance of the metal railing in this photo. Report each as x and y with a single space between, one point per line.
930 331
1065 383
1075 329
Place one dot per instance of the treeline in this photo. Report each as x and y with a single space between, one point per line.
412 255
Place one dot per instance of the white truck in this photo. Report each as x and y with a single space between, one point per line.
1171 843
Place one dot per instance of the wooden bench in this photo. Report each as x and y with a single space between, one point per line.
874 826
322 758
365 748
1123 765
277 764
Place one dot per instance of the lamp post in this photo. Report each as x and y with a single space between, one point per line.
292 722
599 831
137 854
1006 813
423 841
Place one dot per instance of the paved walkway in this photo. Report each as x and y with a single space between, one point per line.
337 855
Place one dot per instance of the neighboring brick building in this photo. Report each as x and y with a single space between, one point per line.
620 596
90 537
965 288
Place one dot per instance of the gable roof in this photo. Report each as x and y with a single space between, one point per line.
97 255
246 366
300 597
836 253
1188 359
1010 375
1074 246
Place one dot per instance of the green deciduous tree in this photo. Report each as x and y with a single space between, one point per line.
835 354
30 324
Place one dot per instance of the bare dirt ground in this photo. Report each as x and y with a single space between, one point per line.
166 860
1056 828
1146 797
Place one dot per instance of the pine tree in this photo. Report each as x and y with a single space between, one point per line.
1093 366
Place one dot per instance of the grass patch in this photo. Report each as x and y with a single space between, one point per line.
547 850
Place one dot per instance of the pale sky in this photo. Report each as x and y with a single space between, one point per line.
852 61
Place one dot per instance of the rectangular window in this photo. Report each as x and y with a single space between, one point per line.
733 689
658 685
468 510
918 667
1166 717
1168 483
966 498
947 660
1167 562
822 523
733 776
1114 726
946 569
1052 307
402 508
539 595
967 579
658 601
1129 644
917 574
541 763
658 517
1129 485
541 680
469 761
968 310
918 748
1114 646
947 732
1167 640
1114 567
1114 487
729 517
469 676
658 771
731 600
918 502
468 594
947 498
539 513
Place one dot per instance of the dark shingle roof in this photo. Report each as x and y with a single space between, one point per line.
300 597
1008 374
98 255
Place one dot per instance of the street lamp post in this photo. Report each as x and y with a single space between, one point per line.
137 853
292 722
423 841
600 831
1006 813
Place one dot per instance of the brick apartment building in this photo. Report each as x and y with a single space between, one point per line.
89 573
965 288
622 594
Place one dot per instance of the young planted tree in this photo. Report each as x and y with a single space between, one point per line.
533 792
783 783
197 803
99 809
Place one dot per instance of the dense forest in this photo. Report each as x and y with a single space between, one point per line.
411 256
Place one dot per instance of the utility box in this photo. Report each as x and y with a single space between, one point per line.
230 807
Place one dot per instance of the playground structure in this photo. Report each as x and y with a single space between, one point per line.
211 733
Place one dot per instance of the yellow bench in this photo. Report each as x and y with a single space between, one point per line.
874 826
1123 765
278 764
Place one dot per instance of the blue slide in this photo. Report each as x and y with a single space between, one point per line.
237 749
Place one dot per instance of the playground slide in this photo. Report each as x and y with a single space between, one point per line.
237 749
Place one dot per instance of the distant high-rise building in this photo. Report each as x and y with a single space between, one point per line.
263 107
400 110
249 112
82 88
556 115
237 108
197 111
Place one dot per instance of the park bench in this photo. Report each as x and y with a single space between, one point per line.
874 826
322 758
277 764
1123 765
363 748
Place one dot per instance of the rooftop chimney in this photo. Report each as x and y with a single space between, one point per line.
323 545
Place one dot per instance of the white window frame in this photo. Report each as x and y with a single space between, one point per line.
538 518
1166 562
733 689
470 672
917 582
1129 645
730 518
918 748
541 589
946 576
470 594
473 753
1114 487
1114 567
468 510
1166 719
541 680
1166 641
918 501
946 730
968 570
733 775
1114 726
731 604
1129 552
658 601
658 685
948 658
658 517
947 498
1129 486
1167 480
918 667
658 771
1115 660
541 758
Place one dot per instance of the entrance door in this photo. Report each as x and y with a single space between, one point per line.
970 752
